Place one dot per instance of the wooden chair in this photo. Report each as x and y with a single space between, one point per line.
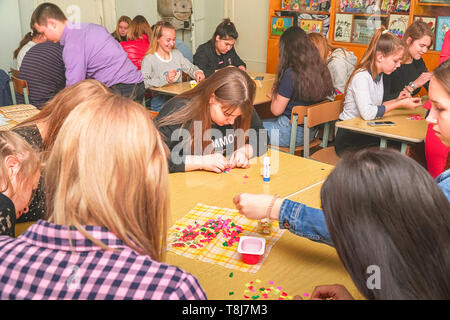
14 72
310 116
324 113
21 87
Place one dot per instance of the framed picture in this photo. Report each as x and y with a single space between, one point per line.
442 26
388 5
398 24
285 5
281 24
311 25
363 31
434 1
431 21
343 27
403 5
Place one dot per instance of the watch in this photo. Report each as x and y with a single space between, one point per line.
412 85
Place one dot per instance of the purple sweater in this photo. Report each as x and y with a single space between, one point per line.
90 52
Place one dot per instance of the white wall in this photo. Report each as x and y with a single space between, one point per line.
250 17
12 33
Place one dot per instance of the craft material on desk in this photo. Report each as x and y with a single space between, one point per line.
19 112
217 242
265 290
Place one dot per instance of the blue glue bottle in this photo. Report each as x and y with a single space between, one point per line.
266 169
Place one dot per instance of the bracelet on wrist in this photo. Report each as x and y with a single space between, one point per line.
270 207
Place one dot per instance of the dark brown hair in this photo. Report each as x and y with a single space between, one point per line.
225 30
46 11
382 208
311 77
27 38
232 87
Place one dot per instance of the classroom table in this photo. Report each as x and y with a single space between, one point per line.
297 264
405 130
263 87
15 114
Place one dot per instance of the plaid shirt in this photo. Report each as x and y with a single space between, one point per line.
42 264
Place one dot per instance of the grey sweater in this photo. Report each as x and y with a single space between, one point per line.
154 68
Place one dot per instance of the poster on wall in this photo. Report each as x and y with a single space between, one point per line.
281 24
343 27
442 27
398 23
311 25
362 31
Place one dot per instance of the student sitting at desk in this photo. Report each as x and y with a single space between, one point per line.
364 92
44 71
164 64
340 62
120 34
19 176
373 219
219 52
302 79
138 40
40 131
29 40
412 73
107 179
214 120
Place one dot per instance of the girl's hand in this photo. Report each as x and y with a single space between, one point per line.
171 76
422 79
411 103
333 292
404 94
239 159
242 68
199 76
253 206
214 162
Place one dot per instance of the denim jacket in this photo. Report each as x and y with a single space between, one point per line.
304 221
310 223
443 182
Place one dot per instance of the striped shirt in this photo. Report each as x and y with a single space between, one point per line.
42 263
43 69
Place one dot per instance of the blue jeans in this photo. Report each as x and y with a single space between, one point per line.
279 130
157 101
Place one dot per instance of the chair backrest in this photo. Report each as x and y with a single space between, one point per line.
21 87
300 111
324 112
14 72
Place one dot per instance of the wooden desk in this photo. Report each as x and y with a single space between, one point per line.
16 114
406 131
263 87
297 264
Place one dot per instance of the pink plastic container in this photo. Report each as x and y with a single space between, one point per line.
251 249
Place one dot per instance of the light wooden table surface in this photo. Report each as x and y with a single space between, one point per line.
263 87
406 131
16 114
297 264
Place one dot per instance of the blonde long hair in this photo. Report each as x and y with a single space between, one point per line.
57 109
382 42
157 33
126 19
11 144
108 167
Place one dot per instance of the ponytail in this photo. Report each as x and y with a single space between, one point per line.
27 38
382 41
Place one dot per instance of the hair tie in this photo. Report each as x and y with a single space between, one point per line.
385 31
